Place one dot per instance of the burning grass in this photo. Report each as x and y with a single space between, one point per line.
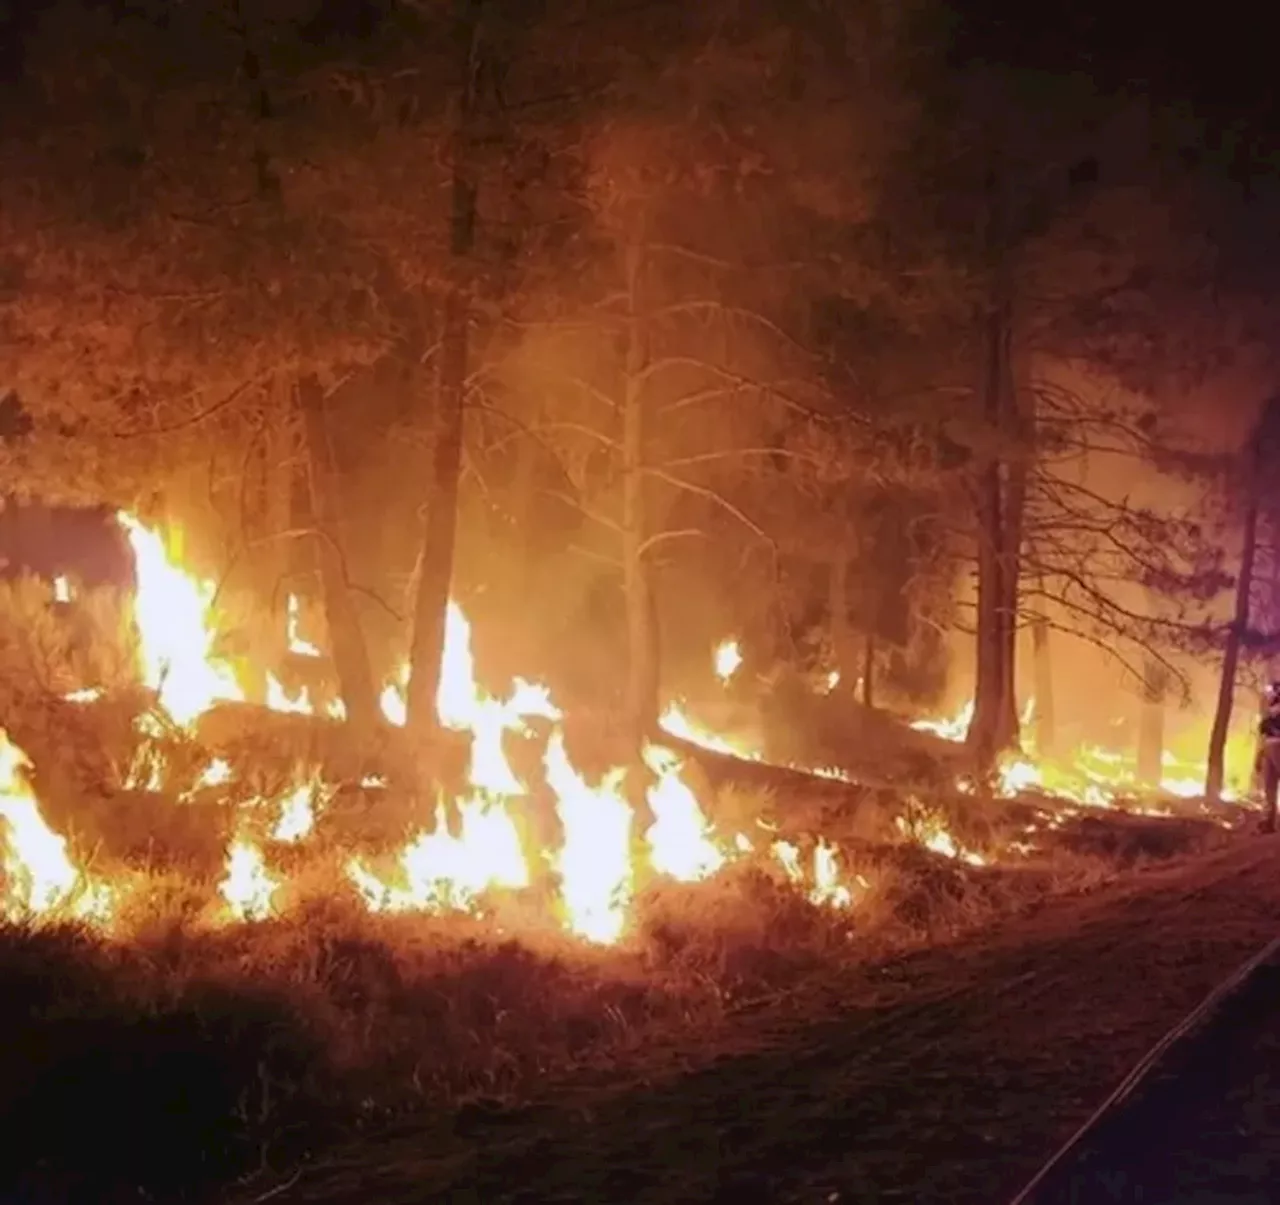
181 1050
230 934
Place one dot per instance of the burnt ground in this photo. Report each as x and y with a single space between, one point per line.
947 1076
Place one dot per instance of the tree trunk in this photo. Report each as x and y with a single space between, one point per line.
842 645
1215 763
1001 490
524 492
1045 717
273 556
1011 531
869 671
350 654
642 659
1151 724
435 562
988 647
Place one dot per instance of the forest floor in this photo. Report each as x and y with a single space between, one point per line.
946 1075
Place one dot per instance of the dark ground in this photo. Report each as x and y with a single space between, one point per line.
949 1076
1203 1128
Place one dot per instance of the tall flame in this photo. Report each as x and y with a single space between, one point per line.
39 875
474 847
172 614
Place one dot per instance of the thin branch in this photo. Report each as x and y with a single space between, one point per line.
734 453
663 536
576 504
194 420
710 495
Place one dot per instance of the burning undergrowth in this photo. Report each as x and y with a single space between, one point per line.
252 928
189 1051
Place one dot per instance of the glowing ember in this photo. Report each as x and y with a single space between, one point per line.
61 589
298 813
297 645
217 773
87 694
824 886
247 887
279 700
728 659
930 830
392 699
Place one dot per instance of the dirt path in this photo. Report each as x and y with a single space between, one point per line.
948 1077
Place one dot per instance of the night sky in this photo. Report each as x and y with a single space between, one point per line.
1223 60
1221 63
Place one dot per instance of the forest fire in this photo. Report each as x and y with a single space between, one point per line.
478 844
1092 776
450 867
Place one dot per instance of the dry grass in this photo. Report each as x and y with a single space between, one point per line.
184 1051
189 1053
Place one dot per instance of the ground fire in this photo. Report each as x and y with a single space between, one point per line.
445 867
477 843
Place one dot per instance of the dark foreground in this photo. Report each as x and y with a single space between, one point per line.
1203 1126
948 1077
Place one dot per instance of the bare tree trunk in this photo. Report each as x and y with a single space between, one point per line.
524 491
350 654
642 660
275 471
869 671
1008 727
842 645
1001 490
1151 724
1045 717
1215 763
989 648
435 565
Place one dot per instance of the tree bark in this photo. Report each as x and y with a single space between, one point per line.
1008 727
1215 763
1001 492
274 556
1151 724
842 643
435 562
1045 718
642 658
350 654
869 671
